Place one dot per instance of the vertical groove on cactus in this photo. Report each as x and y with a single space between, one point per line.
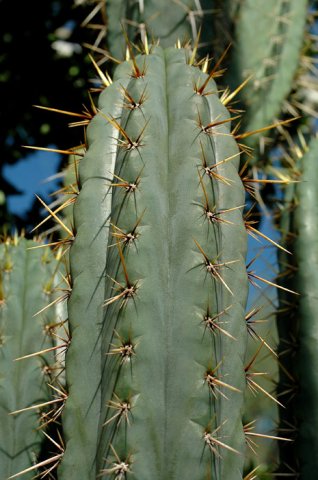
23 383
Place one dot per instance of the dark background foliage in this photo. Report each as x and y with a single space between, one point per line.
41 63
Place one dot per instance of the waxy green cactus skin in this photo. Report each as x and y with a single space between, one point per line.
306 251
267 45
301 328
143 349
23 383
87 265
163 20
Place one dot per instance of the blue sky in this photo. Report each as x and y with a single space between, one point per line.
29 176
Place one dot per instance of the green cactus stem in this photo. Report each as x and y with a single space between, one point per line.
163 20
155 369
298 327
25 288
268 40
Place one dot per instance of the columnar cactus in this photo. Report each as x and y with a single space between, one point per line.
166 20
298 325
155 369
23 383
156 364
269 55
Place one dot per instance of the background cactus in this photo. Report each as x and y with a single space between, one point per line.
165 389
165 20
24 383
270 55
297 321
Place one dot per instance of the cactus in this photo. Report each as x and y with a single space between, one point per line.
25 288
166 20
155 367
270 54
68 194
297 323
